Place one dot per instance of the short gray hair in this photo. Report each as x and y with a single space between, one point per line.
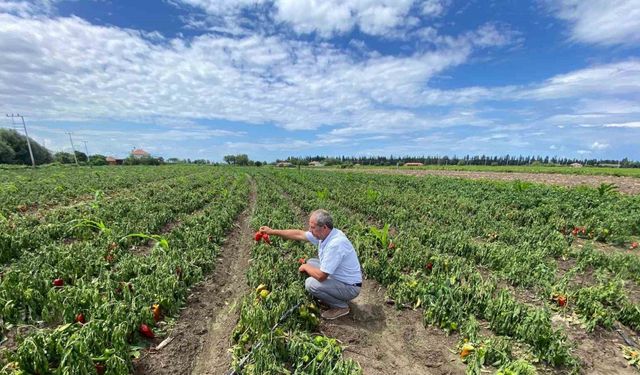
323 218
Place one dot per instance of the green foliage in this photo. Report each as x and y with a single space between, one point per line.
52 278
144 160
64 157
322 194
14 149
240 159
382 235
98 160
605 189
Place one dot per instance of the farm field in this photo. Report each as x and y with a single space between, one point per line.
627 183
542 169
154 270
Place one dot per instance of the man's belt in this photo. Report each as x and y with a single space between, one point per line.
359 285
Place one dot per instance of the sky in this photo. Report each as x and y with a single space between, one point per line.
201 79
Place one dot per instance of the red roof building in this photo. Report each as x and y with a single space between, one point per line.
139 153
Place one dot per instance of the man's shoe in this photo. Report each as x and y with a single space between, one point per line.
335 313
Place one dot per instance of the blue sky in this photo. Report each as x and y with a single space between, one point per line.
277 78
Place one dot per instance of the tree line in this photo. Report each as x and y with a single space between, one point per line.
14 150
464 160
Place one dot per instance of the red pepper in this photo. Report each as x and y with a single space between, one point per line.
302 261
257 236
80 318
146 331
58 283
265 238
429 266
562 301
392 245
634 245
100 369
156 313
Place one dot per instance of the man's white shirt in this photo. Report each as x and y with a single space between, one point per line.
338 257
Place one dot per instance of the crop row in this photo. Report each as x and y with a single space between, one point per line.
26 189
449 288
93 304
529 263
144 210
275 332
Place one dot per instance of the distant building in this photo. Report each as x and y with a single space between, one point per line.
413 164
113 161
576 165
139 153
284 164
315 164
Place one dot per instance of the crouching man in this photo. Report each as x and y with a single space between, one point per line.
335 277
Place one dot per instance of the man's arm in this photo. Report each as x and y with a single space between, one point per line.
287 234
316 273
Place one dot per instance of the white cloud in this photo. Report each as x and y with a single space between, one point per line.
374 17
608 106
583 152
68 69
221 7
326 18
490 35
614 79
434 8
635 124
599 146
604 22
26 8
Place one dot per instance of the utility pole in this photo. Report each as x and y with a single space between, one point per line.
33 161
86 150
74 150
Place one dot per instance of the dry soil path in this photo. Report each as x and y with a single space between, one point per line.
387 341
200 338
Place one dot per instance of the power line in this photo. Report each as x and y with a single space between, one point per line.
33 161
73 149
87 151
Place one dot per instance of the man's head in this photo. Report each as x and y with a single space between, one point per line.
320 224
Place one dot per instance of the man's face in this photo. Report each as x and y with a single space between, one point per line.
318 232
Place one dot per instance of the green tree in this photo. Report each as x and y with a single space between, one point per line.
230 159
7 155
19 154
98 159
64 157
82 157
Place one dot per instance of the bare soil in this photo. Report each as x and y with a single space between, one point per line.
201 335
607 248
385 340
599 351
626 185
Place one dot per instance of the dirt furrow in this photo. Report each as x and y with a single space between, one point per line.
201 336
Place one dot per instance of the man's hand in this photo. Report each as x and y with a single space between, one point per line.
287 234
266 229
314 272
